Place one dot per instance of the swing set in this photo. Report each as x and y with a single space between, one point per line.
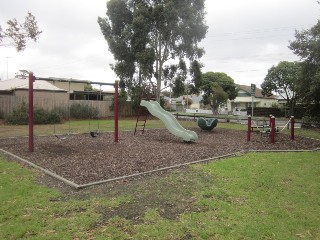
32 78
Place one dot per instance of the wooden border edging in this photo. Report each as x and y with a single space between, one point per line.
79 186
66 181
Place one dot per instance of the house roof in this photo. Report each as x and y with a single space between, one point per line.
19 83
258 93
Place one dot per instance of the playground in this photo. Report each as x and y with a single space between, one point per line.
92 158
84 160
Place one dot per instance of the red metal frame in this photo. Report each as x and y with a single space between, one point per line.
292 128
249 129
116 111
30 112
273 129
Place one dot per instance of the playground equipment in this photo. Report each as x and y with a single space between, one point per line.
271 129
169 120
207 124
148 93
32 78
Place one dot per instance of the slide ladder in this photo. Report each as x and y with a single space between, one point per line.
148 93
141 120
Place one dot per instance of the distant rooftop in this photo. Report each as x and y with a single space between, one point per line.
20 83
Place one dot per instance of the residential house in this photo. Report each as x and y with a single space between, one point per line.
244 99
241 102
53 92
14 92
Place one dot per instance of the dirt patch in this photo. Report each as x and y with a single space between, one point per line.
83 159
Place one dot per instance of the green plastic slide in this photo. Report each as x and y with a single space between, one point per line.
169 121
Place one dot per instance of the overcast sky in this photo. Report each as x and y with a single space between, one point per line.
245 38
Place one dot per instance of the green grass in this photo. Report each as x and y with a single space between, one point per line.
76 126
83 126
252 196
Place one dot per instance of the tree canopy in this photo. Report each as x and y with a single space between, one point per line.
217 88
143 35
306 46
283 79
19 33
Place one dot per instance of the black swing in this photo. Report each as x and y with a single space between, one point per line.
94 133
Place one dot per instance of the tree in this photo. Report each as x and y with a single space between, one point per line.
217 88
283 80
306 46
145 34
19 33
22 74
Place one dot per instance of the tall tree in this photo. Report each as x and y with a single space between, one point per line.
306 46
217 88
19 33
283 80
145 34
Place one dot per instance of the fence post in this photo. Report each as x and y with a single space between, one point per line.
292 128
249 129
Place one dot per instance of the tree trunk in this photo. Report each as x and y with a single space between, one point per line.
159 70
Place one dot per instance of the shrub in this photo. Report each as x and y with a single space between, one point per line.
82 111
310 122
19 116
42 116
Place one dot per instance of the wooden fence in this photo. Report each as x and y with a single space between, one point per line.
8 103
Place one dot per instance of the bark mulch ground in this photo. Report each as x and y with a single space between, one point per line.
83 159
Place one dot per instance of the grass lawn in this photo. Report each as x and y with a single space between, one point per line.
85 126
252 196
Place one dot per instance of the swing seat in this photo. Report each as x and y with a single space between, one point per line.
207 124
94 134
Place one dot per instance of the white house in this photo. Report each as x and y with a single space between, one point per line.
244 99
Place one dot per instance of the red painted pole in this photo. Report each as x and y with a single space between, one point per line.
116 111
249 129
292 128
273 128
30 112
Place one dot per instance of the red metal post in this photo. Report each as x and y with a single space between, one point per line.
292 128
116 111
30 112
273 129
249 129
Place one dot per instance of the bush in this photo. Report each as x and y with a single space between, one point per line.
81 111
19 116
311 122
41 116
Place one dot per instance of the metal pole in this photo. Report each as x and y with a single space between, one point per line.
116 111
249 129
252 106
273 127
30 112
292 128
